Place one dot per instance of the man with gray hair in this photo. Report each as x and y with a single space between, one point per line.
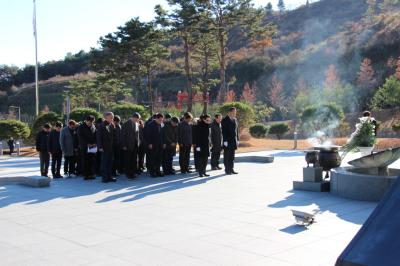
105 138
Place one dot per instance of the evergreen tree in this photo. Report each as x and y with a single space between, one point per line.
281 6
268 9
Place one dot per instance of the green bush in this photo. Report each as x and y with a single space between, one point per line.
126 110
279 129
258 130
15 129
325 118
50 117
79 114
396 127
245 113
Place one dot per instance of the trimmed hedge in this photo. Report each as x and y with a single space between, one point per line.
126 110
258 130
79 114
14 128
50 117
245 113
279 129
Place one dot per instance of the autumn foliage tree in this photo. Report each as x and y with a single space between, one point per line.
276 98
366 81
332 79
249 93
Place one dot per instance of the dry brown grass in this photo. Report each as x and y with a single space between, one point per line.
274 144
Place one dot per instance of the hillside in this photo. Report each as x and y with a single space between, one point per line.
310 39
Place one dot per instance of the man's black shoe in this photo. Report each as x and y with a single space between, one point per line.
214 168
206 174
131 177
105 180
113 179
219 168
201 175
235 173
160 174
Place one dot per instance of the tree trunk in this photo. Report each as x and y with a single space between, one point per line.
223 88
150 92
188 74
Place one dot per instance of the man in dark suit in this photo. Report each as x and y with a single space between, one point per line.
87 141
130 143
201 142
142 148
216 142
154 142
185 140
105 139
55 150
230 135
117 148
170 140
42 139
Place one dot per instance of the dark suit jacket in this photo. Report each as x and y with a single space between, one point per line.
86 136
42 139
201 133
105 137
230 132
54 142
169 134
130 135
185 134
117 137
216 136
153 134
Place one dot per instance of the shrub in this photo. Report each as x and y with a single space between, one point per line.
396 127
245 113
44 118
126 110
258 130
14 128
79 114
279 129
321 118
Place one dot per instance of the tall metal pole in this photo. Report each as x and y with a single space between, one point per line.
36 60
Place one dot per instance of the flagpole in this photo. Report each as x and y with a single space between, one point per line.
36 60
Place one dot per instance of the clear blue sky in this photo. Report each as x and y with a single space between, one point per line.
69 25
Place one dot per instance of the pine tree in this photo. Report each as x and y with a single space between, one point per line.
281 6
268 9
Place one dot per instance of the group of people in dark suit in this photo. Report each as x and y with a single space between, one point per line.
110 148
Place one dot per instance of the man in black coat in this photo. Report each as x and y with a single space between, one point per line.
216 142
185 140
87 145
105 145
130 143
154 142
141 149
170 140
118 163
42 139
201 142
230 134
11 145
55 150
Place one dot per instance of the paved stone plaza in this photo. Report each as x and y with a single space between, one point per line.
240 219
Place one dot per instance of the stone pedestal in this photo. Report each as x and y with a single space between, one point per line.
312 180
312 174
323 186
